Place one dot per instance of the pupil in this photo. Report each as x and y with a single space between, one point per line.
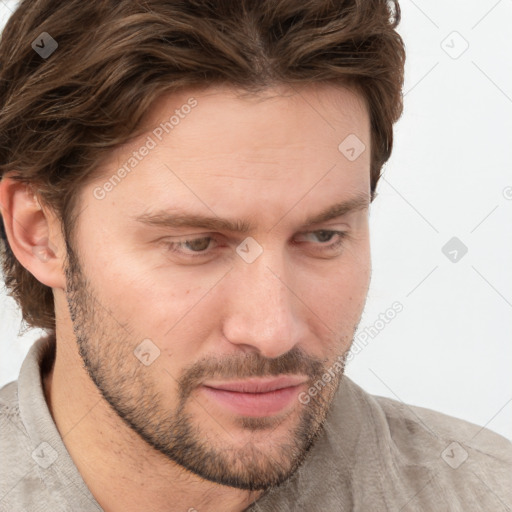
324 236
200 244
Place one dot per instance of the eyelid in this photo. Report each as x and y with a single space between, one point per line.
199 236
169 242
333 232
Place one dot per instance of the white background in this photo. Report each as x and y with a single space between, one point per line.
450 348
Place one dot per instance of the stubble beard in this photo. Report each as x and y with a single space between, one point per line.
269 458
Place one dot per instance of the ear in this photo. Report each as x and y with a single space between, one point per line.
33 233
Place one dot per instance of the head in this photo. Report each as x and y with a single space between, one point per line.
186 189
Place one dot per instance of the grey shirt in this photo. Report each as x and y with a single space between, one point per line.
375 454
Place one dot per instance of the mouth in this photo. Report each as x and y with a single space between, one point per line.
255 397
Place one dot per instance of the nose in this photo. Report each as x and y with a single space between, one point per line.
264 310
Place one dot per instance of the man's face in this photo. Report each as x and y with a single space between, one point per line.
203 337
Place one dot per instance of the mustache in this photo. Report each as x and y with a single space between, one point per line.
294 362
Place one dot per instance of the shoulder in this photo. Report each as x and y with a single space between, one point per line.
409 424
470 465
25 483
10 412
18 476
416 451
413 428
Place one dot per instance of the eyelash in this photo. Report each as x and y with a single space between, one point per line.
172 245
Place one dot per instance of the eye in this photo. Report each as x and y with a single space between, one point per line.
191 246
324 235
203 246
198 244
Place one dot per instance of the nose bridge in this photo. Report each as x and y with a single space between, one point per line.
261 313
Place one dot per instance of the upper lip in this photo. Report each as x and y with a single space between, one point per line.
258 385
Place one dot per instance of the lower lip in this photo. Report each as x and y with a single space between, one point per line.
254 404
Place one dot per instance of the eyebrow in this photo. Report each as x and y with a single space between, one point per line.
164 218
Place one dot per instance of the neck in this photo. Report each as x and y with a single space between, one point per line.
122 472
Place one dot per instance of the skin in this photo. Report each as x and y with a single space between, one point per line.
272 162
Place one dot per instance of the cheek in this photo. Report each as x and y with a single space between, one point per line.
340 299
152 303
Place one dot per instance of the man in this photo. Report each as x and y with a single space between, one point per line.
185 195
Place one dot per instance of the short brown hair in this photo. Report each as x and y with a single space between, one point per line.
61 115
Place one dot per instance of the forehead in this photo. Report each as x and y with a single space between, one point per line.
274 117
211 147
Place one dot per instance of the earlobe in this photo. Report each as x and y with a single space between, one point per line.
29 231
